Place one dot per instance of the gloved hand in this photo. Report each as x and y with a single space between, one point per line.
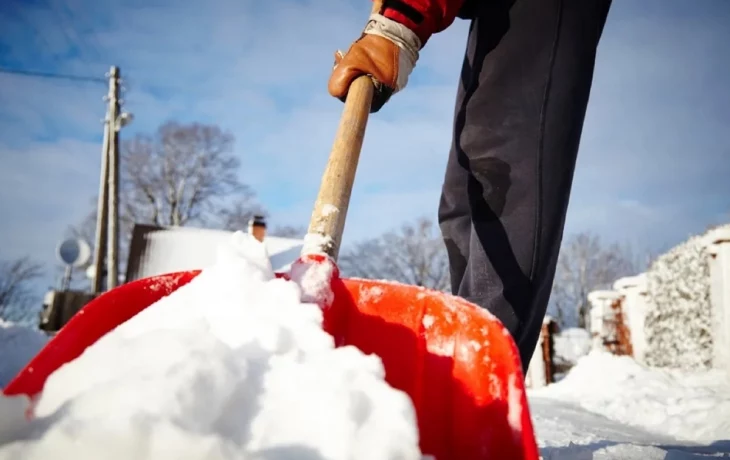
386 50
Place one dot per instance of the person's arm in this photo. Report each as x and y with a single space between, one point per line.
388 48
424 17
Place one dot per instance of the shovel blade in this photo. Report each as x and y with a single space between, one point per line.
456 361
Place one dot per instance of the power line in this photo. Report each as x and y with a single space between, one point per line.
56 76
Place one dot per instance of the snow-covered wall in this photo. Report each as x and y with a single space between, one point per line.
678 312
678 323
718 249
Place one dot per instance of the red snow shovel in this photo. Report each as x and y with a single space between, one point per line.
457 362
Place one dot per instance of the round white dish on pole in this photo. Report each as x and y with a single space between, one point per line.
73 252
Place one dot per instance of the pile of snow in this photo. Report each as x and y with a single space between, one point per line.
231 365
685 406
18 344
570 345
678 321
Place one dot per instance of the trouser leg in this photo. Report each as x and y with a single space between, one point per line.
520 107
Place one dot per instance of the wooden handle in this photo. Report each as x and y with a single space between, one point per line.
330 209
377 5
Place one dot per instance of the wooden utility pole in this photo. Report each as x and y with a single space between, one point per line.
102 207
114 127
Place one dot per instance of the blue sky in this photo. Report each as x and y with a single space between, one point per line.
654 161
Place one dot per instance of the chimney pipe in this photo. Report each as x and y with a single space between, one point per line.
257 227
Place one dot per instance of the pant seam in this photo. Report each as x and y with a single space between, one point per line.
541 144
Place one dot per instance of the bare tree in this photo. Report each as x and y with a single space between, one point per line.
585 265
16 277
181 175
239 213
86 229
413 255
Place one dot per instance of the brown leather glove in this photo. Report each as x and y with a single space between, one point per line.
386 50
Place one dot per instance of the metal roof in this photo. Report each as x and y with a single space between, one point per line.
157 250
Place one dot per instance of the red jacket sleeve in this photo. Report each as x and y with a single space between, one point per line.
424 17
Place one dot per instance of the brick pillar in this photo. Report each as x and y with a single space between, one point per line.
548 331
618 335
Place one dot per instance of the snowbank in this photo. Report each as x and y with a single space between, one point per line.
571 344
218 370
569 432
678 322
18 344
691 407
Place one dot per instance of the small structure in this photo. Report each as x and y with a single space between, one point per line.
618 335
157 250
60 306
611 327
606 319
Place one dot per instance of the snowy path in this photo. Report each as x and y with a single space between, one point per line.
593 436
611 407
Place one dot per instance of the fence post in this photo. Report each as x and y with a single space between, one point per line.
621 343
541 371
548 331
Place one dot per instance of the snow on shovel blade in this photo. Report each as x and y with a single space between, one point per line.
457 362
91 323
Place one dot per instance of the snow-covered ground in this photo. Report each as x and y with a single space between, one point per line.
18 344
213 380
611 407
571 344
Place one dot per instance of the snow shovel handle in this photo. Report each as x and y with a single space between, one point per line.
330 209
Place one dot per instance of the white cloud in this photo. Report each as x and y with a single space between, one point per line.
45 187
375 213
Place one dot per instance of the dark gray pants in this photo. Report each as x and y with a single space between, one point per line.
520 107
